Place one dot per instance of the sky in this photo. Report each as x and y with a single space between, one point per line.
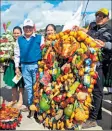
44 12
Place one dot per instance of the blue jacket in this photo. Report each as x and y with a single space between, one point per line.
30 51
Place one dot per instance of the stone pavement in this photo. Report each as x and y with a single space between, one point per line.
31 124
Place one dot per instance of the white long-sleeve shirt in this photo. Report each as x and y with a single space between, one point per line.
17 50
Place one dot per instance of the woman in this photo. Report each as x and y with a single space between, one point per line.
50 30
10 73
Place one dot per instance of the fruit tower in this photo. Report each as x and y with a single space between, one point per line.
66 78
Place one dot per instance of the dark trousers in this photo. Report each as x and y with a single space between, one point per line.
97 96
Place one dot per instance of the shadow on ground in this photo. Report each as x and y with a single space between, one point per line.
6 93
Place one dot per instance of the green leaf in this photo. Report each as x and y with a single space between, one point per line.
8 23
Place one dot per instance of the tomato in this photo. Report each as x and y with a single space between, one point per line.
80 86
57 99
77 90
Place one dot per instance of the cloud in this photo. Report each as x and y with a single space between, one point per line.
43 13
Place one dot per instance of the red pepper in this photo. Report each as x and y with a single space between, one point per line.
49 57
66 70
94 57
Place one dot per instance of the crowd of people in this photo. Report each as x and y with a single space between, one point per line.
27 52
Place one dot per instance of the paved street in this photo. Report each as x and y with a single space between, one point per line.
31 124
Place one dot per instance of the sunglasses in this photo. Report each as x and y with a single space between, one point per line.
28 27
100 15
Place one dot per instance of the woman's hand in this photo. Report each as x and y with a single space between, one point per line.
17 71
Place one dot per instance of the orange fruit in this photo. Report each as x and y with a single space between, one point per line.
82 35
71 33
65 37
57 36
89 100
75 34
72 39
61 34
85 107
91 86
81 72
86 116
65 77
93 81
87 112
92 44
70 75
49 37
53 37
79 39
88 40
90 90
67 31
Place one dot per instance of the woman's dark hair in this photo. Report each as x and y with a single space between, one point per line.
54 27
17 27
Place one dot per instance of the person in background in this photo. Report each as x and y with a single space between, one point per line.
10 73
102 33
50 30
28 53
